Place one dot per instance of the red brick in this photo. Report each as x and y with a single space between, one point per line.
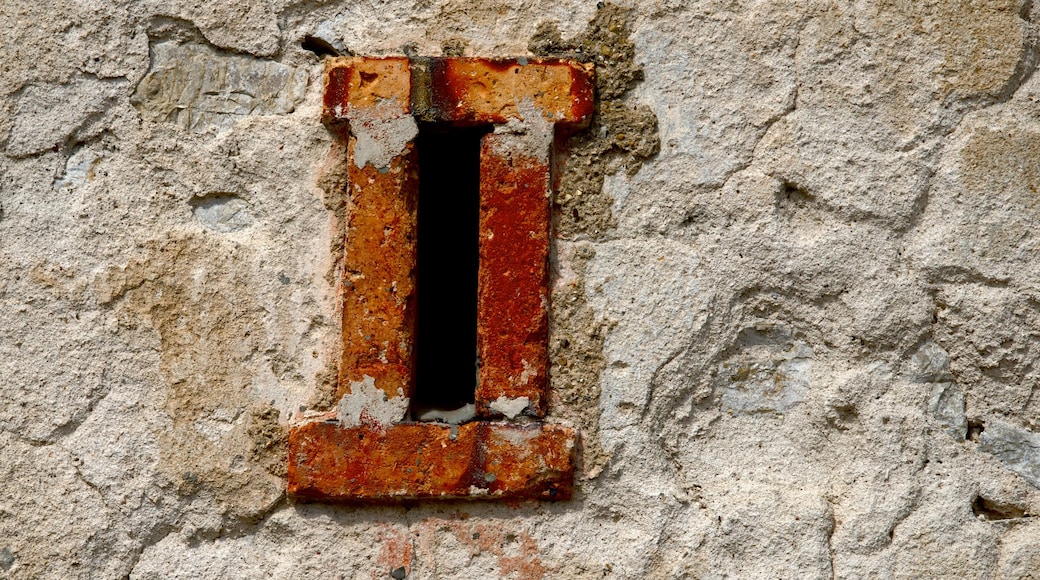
402 461
425 461
513 282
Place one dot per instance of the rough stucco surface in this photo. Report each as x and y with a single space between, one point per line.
811 319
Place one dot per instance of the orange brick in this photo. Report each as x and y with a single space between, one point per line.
380 250
367 101
353 83
480 90
513 281
426 461
379 275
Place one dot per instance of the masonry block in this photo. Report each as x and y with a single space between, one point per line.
353 83
379 275
405 461
373 96
482 90
513 281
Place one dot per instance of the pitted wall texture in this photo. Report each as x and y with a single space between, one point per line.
794 306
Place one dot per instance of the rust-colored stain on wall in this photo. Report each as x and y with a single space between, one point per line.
373 104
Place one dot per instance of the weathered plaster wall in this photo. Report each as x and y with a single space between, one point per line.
797 324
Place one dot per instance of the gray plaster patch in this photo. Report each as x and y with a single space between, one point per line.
510 407
931 363
365 403
450 416
771 373
1017 448
222 212
47 116
197 87
529 136
381 135
946 404
6 559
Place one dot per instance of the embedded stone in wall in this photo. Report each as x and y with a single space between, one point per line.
222 212
1017 448
930 365
981 215
771 373
79 169
198 88
946 404
47 116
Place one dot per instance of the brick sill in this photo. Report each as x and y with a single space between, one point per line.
410 461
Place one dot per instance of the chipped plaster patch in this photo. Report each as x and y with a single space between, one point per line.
367 404
510 407
452 417
382 133
529 136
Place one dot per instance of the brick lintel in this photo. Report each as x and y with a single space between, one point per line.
462 91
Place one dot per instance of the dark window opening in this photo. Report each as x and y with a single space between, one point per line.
448 229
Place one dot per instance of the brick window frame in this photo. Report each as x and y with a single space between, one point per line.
367 450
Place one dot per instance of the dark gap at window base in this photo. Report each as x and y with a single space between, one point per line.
448 226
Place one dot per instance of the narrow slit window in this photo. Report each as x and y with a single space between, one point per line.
448 250
443 390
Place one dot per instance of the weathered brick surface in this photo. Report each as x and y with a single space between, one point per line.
380 250
513 295
353 83
379 275
426 461
366 101
481 90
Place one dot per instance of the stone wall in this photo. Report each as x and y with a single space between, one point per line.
794 315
